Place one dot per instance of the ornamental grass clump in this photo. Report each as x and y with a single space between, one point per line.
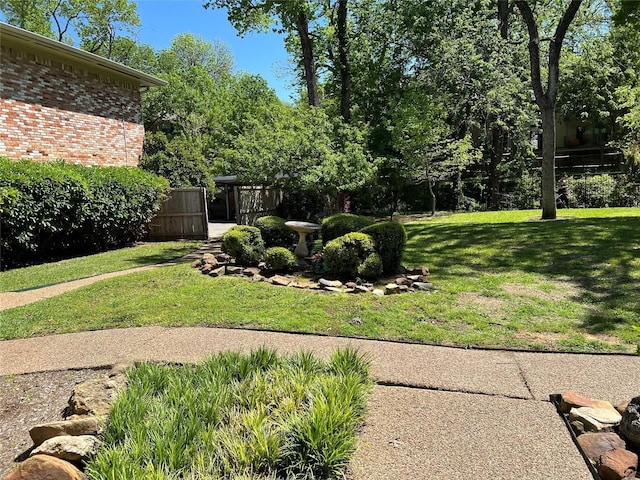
342 223
237 416
244 243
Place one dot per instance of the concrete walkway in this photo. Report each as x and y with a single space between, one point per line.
435 413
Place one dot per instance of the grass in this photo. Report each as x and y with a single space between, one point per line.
76 268
502 279
259 416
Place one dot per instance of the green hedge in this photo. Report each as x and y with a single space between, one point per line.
390 240
244 243
342 223
344 255
56 210
278 259
275 233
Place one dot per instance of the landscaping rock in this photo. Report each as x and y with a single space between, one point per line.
330 283
570 399
96 396
378 292
224 258
607 415
218 272
251 271
630 423
360 289
196 264
423 286
206 268
417 271
391 289
589 423
45 467
233 270
257 278
597 444
86 425
70 448
334 289
621 407
618 465
403 281
280 280
209 259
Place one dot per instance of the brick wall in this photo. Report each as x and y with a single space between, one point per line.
51 109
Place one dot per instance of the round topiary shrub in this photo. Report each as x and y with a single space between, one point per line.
343 255
244 243
371 268
275 233
278 259
342 223
390 240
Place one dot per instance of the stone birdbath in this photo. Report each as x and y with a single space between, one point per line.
303 229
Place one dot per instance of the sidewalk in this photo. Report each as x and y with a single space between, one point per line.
436 412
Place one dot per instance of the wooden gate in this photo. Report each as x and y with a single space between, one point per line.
182 216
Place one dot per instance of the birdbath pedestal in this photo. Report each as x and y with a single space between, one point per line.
303 229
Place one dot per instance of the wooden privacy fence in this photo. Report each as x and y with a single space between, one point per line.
182 215
254 202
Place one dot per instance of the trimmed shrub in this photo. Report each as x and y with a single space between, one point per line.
343 255
55 210
371 268
390 238
342 223
244 243
275 233
280 259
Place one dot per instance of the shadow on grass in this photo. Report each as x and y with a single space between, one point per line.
597 255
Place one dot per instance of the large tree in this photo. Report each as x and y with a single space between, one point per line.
286 16
97 24
546 96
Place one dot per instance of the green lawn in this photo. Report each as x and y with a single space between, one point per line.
76 268
502 279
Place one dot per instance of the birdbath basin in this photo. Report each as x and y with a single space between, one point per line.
303 229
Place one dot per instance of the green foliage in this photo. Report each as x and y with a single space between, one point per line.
179 160
342 223
237 416
244 243
345 254
390 239
371 268
52 210
275 233
280 259
595 191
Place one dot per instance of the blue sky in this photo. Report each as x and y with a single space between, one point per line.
258 53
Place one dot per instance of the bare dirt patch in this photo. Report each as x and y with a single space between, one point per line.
490 305
561 291
27 400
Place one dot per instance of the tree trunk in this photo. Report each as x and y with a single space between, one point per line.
345 66
547 100
548 161
497 151
302 26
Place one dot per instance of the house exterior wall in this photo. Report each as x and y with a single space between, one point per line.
52 109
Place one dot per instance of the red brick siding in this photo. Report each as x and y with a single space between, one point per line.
51 110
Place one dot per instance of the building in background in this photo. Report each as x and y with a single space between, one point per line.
60 102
